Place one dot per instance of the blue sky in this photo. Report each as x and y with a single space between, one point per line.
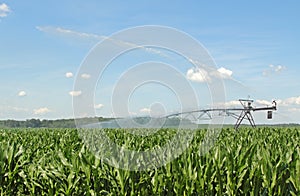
41 41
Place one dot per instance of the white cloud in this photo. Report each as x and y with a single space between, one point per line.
235 103
232 103
145 110
22 94
85 76
69 74
277 68
4 10
75 93
288 102
263 102
98 106
41 111
197 75
62 31
292 101
227 104
81 35
273 69
225 73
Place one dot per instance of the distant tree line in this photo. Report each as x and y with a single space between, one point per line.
70 123
37 123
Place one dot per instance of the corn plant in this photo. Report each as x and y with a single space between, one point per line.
261 161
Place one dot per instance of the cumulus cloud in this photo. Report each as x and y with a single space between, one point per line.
4 10
235 103
197 75
292 101
145 110
232 103
22 94
273 69
98 106
69 75
224 73
75 93
277 68
85 76
227 104
263 102
41 111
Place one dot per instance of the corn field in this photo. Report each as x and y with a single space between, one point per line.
262 161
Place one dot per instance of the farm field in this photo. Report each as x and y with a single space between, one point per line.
262 161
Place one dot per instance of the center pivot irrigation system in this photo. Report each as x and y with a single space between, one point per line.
245 112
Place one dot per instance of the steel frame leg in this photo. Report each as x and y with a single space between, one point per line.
241 118
251 120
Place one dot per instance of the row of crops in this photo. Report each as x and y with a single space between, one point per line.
263 161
